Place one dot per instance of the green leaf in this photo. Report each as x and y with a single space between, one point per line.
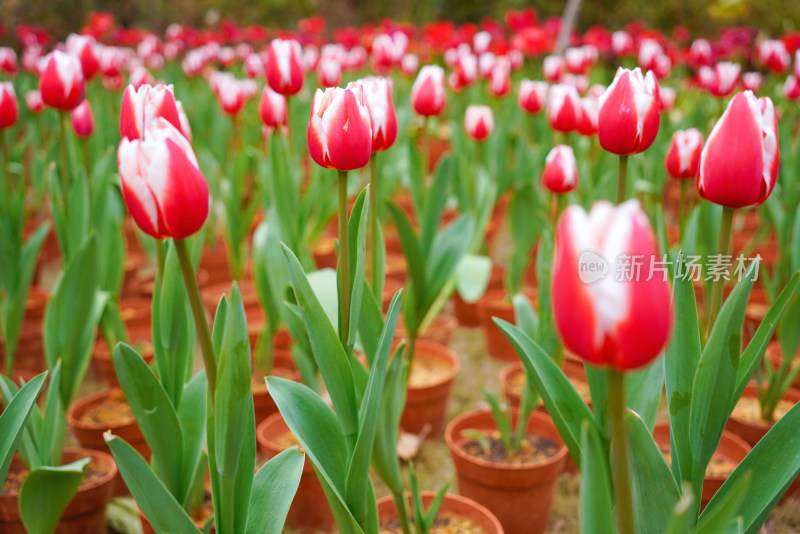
654 490
683 515
358 255
192 419
563 403
328 352
772 466
384 453
415 261
370 326
449 247
159 506
46 492
435 201
596 508
274 487
154 414
472 277
14 418
724 516
643 389
285 196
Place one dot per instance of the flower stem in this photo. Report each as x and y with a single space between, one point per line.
203 331
63 117
160 255
374 229
723 249
620 451
425 148
622 182
344 264
682 208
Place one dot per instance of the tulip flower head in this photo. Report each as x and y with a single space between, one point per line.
428 92
739 163
500 81
8 60
752 81
564 108
283 66
83 119
378 94
479 122
791 88
142 106
629 114
162 185
339 131
62 84
560 170
553 68
683 155
9 109
33 99
616 319
83 47
272 108
329 72
773 54
532 95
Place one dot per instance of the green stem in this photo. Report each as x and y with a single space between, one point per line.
63 117
402 512
425 147
620 452
374 229
723 249
160 255
344 264
289 128
203 331
622 183
682 207
4 153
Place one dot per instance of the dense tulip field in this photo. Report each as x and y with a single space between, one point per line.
498 277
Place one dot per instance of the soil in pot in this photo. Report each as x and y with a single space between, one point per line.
457 515
86 513
430 381
309 511
519 494
533 449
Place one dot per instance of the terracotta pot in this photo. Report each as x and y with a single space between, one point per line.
427 405
455 505
136 312
324 253
310 510
752 432
390 287
102 362
86 513
439 331
468 313
215 262
148 529
774 353
731 448
520 496
90 434
512 373
212 293
396 267
282 365
497 304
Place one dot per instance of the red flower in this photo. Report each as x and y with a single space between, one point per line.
629 113
617 319
739 164
774 55
428 92
9 110
683 156
142 106
82 46
560 170
383 120
272 108
339 131
479 122
532 96
564 108
33 99
283 66
62 84
8 60
162 185
82 119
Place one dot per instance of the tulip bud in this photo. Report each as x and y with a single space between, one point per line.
9 109
82 119
560 170
589 112
532 96
140 107
701 53
283 66
62 84
428 92
774 55
618 319
791 88
33 99
272 108
339 131
629 113
162 185
82 47
329 72
8 60
479 122
409 64
500 81
553 68
667 95
383 120
564 108
739 163
622 43
465 70
684 153
752 81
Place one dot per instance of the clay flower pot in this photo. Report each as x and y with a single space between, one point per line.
497 304
731 450
454 505
439 331
215 262
324 253
102 362
87 510
468 313
432 375
512 377
283 366
752 430
93 415
519 495
310 510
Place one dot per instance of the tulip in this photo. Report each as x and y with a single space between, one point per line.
701 53
553 68
773 54
588 123
409 64
622 43
162 185
791 88
796 68
140 76
272 108
254 66
283 68
560 170
329 72
752 81
186 128
231 93
532 95
481 41
479 122
82 119
383 120
465 70
388 50
339 131
721 79
33 99
683 155
486 63
629 114
500 82
579 60
82 46
564 108
649 51
9 110
428 92
667 95
142 106
8 60
62 84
